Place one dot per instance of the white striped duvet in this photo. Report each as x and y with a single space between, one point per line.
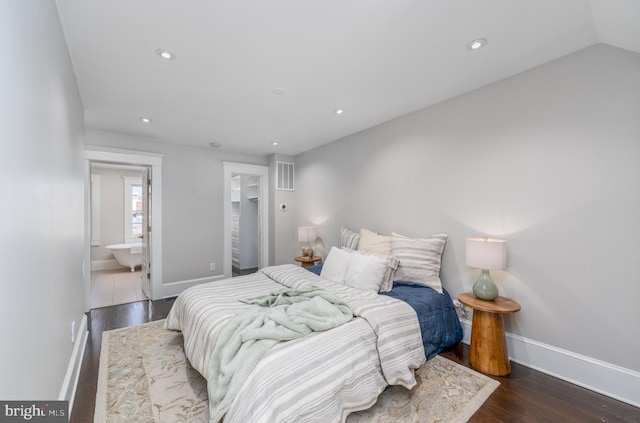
319 378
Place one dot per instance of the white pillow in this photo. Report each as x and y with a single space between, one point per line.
366 272
374 243
392 266
336 265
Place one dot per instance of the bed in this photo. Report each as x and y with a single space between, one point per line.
324 376
439 324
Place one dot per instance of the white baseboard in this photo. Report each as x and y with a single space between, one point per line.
70 383
173 289
466 331
105 265
605 378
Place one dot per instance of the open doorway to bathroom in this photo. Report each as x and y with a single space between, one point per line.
152 244
118 216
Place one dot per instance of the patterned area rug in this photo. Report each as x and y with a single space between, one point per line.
145 377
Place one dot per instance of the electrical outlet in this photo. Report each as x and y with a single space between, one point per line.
212 267
73 331
460 309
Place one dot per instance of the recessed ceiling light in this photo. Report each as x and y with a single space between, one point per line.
477 44
165 54
279 91
144 119
275 143
338 111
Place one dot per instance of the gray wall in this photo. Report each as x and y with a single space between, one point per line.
42 209
192 209
547 160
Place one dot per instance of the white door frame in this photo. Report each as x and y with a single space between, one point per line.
230 168
135 158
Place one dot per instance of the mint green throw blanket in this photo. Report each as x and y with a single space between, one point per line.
282 316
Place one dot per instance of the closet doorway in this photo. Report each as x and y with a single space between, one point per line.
246 218
245 224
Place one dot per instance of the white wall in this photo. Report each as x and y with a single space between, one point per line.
282 226
548 160
192 209
41 212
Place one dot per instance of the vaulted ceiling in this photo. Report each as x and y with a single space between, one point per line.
247 73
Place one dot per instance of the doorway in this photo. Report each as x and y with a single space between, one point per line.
246 218
245 224
149 167
118 193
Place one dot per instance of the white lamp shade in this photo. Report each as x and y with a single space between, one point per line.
489 254
307 234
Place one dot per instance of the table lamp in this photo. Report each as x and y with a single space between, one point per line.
486 254
308 235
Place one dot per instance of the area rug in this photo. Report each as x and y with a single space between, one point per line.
144 376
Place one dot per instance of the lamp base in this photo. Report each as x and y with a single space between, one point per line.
485 288
307 251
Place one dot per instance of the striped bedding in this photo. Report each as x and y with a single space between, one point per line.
321 377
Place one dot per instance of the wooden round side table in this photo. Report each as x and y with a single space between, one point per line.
306 261
488 352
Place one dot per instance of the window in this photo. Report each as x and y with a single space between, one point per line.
95 210
136 210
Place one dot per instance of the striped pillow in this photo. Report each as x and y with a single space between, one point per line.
419 259
387 280
349 239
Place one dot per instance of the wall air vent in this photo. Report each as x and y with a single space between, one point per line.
285 176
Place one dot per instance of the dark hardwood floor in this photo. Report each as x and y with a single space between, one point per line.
237 272
527 395
524 396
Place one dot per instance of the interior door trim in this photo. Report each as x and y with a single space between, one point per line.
118 156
